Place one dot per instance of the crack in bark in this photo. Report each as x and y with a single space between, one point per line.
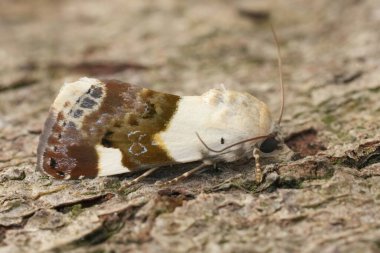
22 83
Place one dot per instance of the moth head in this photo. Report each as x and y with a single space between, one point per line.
270 144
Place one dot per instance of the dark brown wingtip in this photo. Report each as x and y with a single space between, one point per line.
64 151
69 158
43 142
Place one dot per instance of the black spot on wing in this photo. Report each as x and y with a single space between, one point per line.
53 163
71 124
78 113
106 142
96 92
88 103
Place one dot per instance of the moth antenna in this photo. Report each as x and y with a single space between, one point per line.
204 144
232 145
279 60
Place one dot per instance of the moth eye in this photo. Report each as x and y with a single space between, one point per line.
222 140
269 145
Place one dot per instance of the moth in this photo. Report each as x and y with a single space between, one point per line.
107 127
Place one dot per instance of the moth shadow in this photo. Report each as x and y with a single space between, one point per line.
163 173
212 174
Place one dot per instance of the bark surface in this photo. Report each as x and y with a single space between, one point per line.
321 192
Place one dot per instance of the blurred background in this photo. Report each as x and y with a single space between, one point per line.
182 47
331 58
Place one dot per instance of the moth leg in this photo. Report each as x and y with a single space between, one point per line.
183 176
138 179
258 171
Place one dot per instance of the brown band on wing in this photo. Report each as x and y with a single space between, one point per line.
130 116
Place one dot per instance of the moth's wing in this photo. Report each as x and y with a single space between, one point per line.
97 128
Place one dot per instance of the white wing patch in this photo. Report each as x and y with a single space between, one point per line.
110 161
179 138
